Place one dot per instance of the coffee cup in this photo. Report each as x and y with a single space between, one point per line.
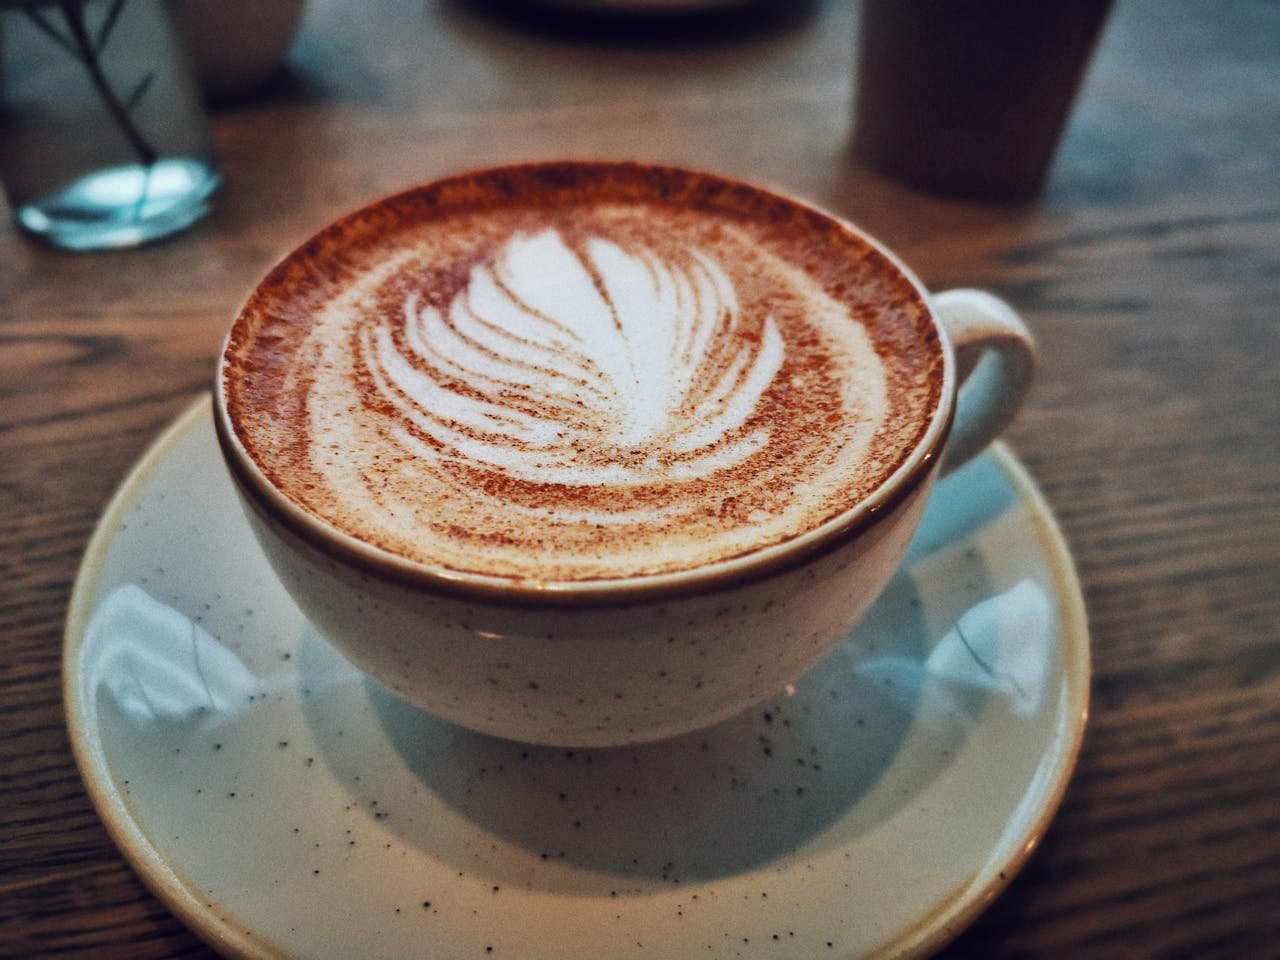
596 453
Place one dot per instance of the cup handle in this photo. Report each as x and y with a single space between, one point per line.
995 356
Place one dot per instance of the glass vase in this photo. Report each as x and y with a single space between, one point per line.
103 137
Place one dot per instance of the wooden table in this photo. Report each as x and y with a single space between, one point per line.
1149 270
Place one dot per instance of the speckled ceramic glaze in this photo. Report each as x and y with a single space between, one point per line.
284 805
628 659
599 674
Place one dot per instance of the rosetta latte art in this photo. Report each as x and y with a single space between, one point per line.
581 373
584 367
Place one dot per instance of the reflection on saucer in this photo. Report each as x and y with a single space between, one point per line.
155 664
1001 647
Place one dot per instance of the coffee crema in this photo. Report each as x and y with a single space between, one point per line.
575 372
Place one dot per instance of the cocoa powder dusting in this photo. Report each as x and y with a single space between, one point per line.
478 516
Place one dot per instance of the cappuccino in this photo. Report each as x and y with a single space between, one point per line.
577 372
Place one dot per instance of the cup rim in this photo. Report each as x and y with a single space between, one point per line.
275 508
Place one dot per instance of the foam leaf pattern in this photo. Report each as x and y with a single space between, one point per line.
587 364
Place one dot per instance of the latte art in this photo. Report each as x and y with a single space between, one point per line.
582 372
586 367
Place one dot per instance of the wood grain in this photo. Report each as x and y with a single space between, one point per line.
1149 271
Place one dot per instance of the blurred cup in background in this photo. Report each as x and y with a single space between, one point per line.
237 45
968 98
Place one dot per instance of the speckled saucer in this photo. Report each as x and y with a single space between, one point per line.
284 806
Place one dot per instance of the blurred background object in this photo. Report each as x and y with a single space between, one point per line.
103 139
237 45
645 22
969 99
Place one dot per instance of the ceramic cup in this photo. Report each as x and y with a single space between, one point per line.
632 659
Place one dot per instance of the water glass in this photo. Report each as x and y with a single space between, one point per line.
103 137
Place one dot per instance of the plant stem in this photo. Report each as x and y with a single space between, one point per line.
73 11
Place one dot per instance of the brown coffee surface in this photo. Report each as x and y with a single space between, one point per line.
569 372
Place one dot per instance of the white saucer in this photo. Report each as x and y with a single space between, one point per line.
282 805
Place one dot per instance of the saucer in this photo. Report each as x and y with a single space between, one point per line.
283 805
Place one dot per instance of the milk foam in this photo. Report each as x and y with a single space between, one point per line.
570 363
617 392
